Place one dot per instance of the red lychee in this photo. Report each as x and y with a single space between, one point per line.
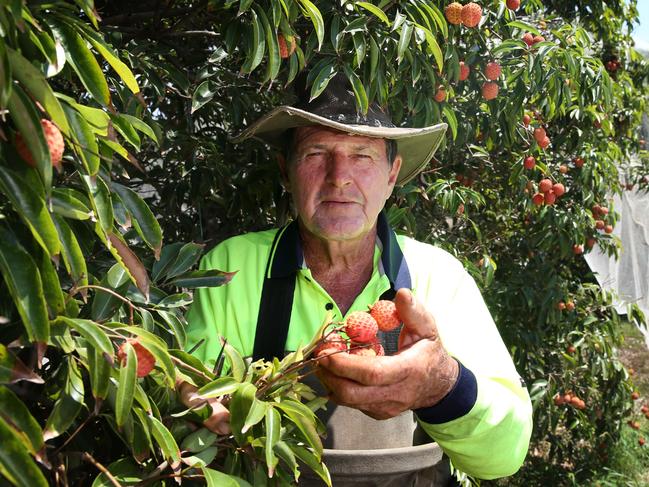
599 224
464 71
538 199
579 162
538 39
54 141
489 90
558 189
529 162
453 13
471 14
513 4
361 327
528 39
545 142
539 134
492 70
332 344
145 359
550 197
286 49
545 185
440 95
577 249
526 120
608 228
385 314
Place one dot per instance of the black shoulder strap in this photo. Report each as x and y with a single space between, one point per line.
274 315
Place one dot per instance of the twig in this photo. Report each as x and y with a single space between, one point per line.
69 439
109 291
85 456
189 367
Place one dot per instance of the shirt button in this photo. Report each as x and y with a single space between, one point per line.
329 306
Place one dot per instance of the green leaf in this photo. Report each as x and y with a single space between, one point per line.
237 364
214 478
99 367
91 332
35 83
98 119
125 471
257 412
359 89
69 203
27 120
51 286
73 258
141 126
202 278
113 59
83 62
31 207
17 464
274 60
126 130
203 94
25 287
16 413
375 10
312 12
240 403
219 387
164 439
525 27
198 440
273 424
85 146
126 386
322 79
68 405
305 423
5 75
404 39
168 256
99 197
12 369
256 45
449 115
313 462
187 258
176 325
145 222
105 304
130 261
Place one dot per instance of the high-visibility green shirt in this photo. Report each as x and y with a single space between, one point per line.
484 424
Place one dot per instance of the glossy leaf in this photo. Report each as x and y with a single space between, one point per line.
273 423
137 271
105 304
164 439
187 257
143 219
219 387
215 478
99 197
83 62
99 367
51 286
199 440
68 405
17 415
85 143
70 203
257 412
91 332
12 369
126 386
73 258
202 278
17 465
168 256
313 462
312 12
24 283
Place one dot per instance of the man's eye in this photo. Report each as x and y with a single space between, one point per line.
362 156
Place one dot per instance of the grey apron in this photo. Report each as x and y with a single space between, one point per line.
359 451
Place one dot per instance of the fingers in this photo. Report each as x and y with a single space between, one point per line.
417 320
219 420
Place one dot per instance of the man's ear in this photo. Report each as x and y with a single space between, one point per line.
283 171
394 173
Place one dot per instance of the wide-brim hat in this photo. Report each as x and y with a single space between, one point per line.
336 108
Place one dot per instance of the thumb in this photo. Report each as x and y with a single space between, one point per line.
418 322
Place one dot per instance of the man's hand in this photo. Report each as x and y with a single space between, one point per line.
219 420
419 375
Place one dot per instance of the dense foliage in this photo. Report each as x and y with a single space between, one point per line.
147 94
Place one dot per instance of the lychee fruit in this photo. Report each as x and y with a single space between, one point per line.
54 141
558 189
453 13
561 306
545 185
538 39
513 4
526 120
145 359
539 134
333 343
471 14
492 71
528 39
570 305
635 395
538 199
286 48
489 90
563 169
440 95
599 224
464 71
529 162
608 229
590 242
577 249
361 327
571 349
378 348
550 197
545 142
579 162
385 314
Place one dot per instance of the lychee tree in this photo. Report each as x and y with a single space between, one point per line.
146 95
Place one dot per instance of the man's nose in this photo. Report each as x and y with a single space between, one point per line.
339 170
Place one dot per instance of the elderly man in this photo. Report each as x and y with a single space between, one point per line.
447 367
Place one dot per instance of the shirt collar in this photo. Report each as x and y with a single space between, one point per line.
288 257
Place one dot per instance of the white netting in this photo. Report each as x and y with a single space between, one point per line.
629 275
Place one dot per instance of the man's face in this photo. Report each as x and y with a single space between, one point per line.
339 182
